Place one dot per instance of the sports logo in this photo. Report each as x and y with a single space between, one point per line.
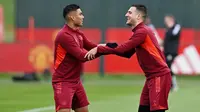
41 57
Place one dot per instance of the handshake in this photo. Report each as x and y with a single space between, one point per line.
91 54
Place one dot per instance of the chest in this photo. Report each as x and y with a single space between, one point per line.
78 39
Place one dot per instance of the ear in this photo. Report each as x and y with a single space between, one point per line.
139 15
72 17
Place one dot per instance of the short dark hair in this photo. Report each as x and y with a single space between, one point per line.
142 9
69 8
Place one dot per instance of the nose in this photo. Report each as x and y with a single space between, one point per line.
126 14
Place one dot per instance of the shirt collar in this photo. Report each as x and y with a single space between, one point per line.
70 29
138 26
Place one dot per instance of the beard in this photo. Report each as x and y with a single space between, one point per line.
131 23
78 24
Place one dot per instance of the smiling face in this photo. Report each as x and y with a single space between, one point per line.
131 16
134 16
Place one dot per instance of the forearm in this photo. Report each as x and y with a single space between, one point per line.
104 50
90 46
127 54
137 39
101 50
80 56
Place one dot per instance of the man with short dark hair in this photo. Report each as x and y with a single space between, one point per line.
154 97
71 46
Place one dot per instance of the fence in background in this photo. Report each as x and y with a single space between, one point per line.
38 22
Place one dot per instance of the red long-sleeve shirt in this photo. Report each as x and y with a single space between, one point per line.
149 55
70 49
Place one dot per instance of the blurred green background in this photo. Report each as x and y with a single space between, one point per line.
9 19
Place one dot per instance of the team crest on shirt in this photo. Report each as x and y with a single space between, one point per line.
41 57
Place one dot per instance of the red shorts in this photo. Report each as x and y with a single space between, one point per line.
155 92
69 95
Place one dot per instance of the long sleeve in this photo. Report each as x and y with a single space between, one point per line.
137 39
127 54
88 45
71 47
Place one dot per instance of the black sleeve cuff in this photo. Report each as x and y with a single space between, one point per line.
112 45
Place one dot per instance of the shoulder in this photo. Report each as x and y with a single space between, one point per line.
63 35
142 30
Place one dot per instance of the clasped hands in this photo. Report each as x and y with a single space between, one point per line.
91 54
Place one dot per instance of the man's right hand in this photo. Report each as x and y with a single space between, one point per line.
91 54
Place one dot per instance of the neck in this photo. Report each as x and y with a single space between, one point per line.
71 25
138 22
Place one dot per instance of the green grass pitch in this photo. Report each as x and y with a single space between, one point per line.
108 94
